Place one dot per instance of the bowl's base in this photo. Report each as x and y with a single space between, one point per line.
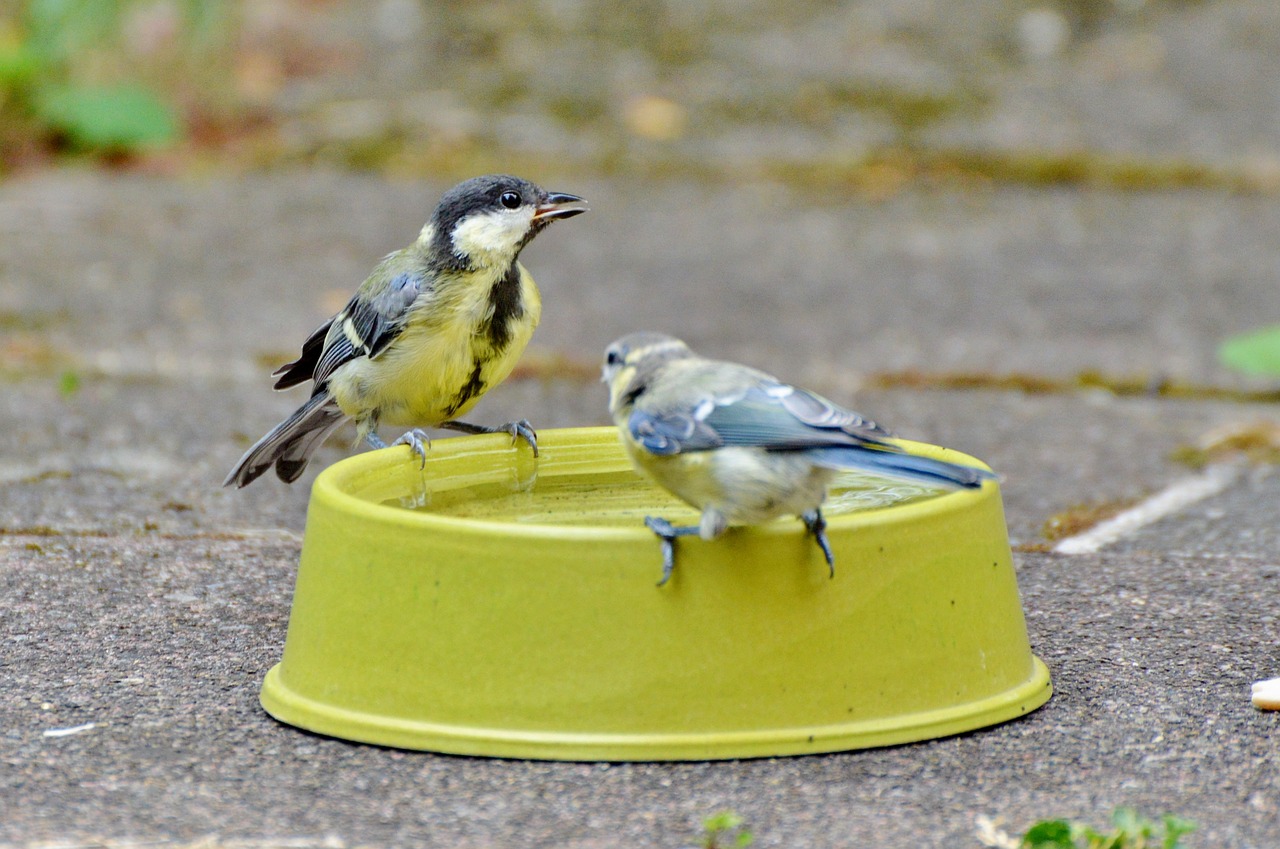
298 710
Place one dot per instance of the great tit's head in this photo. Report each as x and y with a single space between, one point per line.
487 220
630 362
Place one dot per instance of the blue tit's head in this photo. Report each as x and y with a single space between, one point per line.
486 221
632 361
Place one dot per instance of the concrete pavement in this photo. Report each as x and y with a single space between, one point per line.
143 598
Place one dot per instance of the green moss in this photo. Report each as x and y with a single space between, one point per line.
1255 442
1086 168
576 112
1081 517
1122 385
910 111
18 321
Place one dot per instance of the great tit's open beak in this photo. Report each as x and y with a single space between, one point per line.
559 205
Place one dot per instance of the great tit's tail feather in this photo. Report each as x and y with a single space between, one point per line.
901 465
293 460
289 444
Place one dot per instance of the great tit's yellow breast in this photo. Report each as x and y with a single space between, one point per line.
447 356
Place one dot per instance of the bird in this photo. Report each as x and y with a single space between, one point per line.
740 445
433 327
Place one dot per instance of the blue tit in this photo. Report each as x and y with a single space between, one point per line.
434 327
740 445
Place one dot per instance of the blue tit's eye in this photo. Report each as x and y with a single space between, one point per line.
613 358
510 200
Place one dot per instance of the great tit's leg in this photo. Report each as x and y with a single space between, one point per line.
374 441
668 532
518 430
418 443
818 527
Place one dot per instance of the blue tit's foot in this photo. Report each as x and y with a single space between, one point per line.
668 532
418 443
518 430
818 527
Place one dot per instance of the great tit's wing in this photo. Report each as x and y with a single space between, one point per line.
368 323
780 417
304 367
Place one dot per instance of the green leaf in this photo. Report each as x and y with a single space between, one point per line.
723 821
1131 823
1256 352
1049 834
1174 829
18 64
60 28
121 117
68 383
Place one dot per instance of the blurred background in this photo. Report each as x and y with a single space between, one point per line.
1043 232
859 96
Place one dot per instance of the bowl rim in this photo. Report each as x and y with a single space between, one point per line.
337 485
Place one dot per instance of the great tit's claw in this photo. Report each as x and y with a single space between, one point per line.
518 430
523 430
418 443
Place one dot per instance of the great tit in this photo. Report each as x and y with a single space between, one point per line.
433 327
740 445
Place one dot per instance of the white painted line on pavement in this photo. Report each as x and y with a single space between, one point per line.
1177 496
67 732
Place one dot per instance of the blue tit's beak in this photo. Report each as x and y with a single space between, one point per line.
559 205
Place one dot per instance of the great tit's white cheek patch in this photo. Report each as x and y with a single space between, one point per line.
492 236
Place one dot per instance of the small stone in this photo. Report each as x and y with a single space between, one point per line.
1266 694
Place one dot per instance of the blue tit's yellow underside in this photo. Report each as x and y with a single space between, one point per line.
737 486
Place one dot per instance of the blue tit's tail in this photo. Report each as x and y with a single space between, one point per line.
900 465
289 444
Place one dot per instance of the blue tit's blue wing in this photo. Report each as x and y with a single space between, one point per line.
900 464
671 432
766 414
781 417
816 411
366 325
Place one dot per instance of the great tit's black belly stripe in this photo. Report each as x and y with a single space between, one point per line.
473 387
508 305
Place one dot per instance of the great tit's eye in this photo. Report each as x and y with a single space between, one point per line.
510 200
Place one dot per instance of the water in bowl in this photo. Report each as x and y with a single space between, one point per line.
622 498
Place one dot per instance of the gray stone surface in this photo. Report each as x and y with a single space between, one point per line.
141 315
143 597
163 642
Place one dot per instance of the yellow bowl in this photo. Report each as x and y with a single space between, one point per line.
511 620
